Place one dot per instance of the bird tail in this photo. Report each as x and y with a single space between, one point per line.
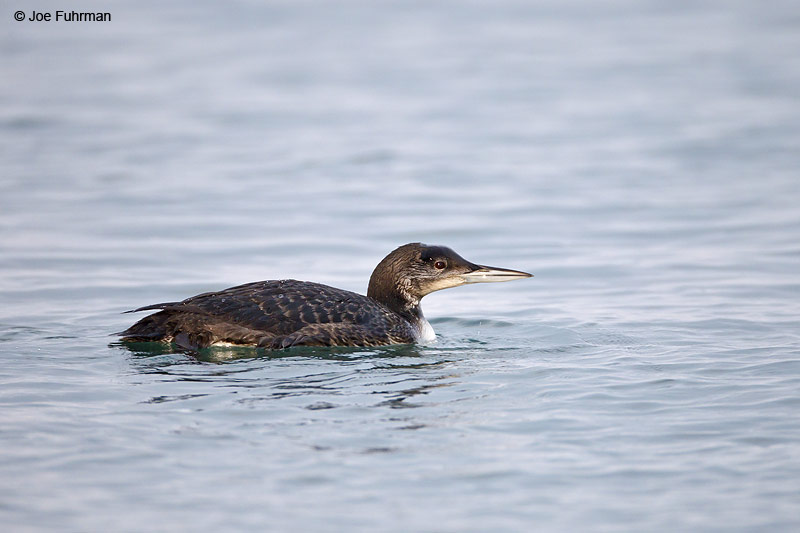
150 328
166 305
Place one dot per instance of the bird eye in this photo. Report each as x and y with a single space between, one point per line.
439 265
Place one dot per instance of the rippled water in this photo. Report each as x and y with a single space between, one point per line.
640 158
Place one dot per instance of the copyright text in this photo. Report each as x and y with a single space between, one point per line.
63 16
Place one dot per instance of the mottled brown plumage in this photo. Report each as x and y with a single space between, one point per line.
284 313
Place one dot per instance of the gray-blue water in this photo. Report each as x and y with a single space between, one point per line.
642 159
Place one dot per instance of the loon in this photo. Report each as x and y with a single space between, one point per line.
279 314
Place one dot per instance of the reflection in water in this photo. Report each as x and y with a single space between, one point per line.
222 354
332 377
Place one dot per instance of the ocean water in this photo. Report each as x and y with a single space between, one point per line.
642 159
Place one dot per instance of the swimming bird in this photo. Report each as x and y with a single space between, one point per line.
279 314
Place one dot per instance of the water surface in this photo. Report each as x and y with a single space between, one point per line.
640 158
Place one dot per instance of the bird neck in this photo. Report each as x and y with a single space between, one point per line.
396 296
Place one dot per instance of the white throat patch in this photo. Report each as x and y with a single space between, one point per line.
425 332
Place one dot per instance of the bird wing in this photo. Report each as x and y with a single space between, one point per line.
280 307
